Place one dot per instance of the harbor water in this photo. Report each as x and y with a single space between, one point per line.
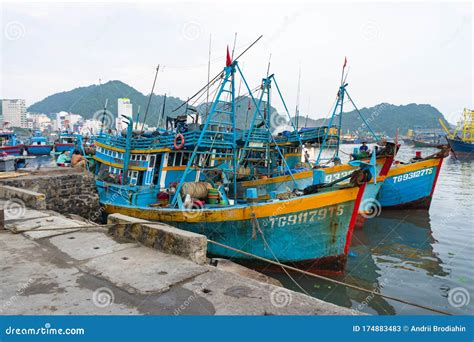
415 255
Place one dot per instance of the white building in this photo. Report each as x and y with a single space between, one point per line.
91 127
14 113
124 108
40 121
67 121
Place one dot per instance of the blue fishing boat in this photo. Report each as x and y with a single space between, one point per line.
411 185
38 145
185 179
67 142
461 140
10 145
272 177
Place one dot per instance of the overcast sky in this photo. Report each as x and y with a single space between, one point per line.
398 53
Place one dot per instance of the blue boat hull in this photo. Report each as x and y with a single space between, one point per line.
410 185
461 148
59 148
309 230
39 150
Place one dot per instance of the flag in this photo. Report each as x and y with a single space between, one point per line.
228 61
345 62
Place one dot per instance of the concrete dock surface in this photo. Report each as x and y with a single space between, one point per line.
85 271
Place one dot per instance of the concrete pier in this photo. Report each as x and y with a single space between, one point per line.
74 267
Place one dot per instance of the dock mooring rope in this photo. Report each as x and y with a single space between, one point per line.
284 266
291 268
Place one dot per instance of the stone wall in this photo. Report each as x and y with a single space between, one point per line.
67 191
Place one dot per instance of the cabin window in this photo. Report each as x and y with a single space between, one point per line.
152 162
143 157
171 159
133 176
177 159
185 159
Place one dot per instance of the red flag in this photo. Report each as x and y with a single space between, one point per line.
228 61
345 62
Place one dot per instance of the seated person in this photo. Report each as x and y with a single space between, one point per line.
63 159
364 147
77 160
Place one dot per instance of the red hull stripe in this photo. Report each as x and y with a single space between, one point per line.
386 166
354 217
436 176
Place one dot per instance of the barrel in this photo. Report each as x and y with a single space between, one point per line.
213 196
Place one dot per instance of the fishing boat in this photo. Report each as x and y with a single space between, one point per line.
312 227
427 137
461 140
265 171
38 145
411 185
9 144
67 142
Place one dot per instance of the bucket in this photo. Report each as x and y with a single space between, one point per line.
318 176
251 194
418 154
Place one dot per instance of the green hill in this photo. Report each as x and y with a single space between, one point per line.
89 100
385 118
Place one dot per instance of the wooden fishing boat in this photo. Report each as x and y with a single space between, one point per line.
265 171
312 227
9 144
412 185
38 145
67 142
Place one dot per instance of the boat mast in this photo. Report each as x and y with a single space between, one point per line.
297 109
149 98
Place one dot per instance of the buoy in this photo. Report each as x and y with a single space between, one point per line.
181 143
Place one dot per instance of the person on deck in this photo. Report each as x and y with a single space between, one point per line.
77 160
364 148
63 159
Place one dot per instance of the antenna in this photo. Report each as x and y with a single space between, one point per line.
162 111
268 68
233 48
149 98
297 110
208 78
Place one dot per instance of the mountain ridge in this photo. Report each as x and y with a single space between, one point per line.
89 101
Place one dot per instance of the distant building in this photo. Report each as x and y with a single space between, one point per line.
39 121
68 122
14 113
124 108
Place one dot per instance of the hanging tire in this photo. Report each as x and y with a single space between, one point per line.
179 137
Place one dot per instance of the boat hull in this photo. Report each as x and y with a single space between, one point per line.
39 150
410 186
16 150
310 230
425 144
61 147
461 148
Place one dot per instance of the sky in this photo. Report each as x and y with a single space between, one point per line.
398 53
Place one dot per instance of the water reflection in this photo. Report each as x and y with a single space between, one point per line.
391 251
